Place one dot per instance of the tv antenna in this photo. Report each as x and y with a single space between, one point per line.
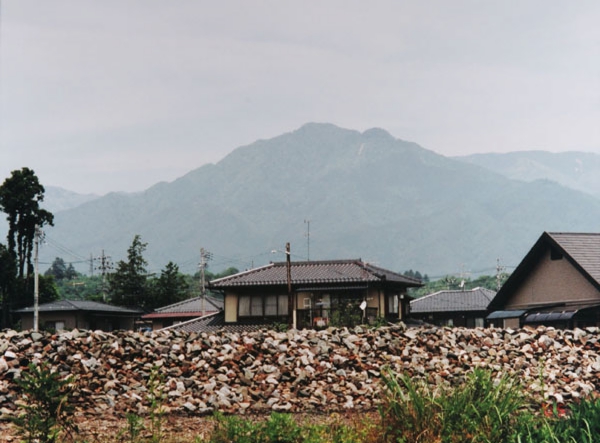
307 239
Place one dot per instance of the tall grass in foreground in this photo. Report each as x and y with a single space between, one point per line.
483 409
580 424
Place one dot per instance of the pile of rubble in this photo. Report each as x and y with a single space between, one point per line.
296 371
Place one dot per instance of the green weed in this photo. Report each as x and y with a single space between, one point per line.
47 413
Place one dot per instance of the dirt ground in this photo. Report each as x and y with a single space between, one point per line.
176 429
114 429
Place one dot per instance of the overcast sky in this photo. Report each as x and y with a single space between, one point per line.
117 95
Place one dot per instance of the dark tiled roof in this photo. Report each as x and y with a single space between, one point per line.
80 305
191 307
476 299
314 272
216 322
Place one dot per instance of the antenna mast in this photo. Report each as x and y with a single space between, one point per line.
307 239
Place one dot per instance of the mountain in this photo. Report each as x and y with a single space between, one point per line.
367 195
55 199
59 199
576 170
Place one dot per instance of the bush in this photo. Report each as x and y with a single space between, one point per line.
47 411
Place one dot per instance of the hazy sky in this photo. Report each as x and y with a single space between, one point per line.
116 95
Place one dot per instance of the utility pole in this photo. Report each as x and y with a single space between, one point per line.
36 283
105 266
291 307
204 257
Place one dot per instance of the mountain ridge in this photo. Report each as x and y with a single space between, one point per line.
574 169
369 195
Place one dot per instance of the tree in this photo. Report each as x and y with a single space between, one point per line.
129 282
20 198
58 269
170 287
8 271
227 272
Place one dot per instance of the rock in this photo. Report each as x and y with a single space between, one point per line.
10 355
296 371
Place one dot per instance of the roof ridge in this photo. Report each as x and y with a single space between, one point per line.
182 302
183 323
239 274
318 262
70 302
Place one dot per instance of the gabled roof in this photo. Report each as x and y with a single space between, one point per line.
476 299
193 307
582 250
332 272
80 305
216 322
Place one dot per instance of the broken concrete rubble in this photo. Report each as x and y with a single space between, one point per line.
296 371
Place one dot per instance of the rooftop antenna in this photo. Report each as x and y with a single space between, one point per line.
307 239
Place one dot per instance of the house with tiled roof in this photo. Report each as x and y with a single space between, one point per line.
183 311
464 307
80 314
557 284
307 294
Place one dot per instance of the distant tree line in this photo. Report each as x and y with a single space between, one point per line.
130 285
416 274
453 283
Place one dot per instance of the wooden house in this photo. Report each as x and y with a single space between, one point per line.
557 284
314 294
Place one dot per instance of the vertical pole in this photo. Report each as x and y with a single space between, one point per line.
36 283
307 239
499 270
291 307
202 283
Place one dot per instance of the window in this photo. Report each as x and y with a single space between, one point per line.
271 305
54 325
263 305
256 306
555 254
244 307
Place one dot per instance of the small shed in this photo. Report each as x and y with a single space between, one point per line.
80 314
